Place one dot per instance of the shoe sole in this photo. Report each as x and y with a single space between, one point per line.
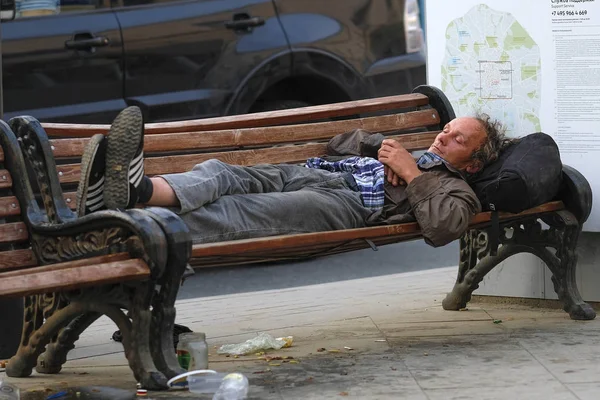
86 170
123 142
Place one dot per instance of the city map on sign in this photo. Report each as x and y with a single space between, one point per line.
492 65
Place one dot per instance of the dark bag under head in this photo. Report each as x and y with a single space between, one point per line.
527 174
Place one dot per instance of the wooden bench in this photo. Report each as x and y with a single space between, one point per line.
285 136
72 270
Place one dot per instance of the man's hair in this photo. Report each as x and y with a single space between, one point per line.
495 140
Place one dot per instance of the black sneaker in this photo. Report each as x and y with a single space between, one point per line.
124 159
90 192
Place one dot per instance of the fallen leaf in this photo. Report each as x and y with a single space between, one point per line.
269 358
343 393
497 321
322 349
260 353
393 369
294 362
262 372
333 351
82 373
464 309
425 354
274 364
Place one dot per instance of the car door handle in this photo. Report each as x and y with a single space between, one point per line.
246 23
87 44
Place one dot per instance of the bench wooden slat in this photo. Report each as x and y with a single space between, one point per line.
485 217
268 118
17 259
74 264
299 252
77 274
301 241
69 173
249 246
13 232
9 205
296 253
228 139
5 179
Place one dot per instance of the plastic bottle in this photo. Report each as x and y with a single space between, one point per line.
192 351
8 391
199 381
233 387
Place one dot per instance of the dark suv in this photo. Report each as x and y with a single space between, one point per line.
84 60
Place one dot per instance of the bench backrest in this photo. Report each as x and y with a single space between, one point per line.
252 139
15 249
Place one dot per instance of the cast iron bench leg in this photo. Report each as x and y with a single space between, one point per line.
52 360
524 236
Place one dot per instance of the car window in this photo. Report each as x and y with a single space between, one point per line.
38 8
132 3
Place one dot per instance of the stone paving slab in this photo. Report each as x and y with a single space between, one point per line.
404 346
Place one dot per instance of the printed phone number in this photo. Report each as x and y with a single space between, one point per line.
568 13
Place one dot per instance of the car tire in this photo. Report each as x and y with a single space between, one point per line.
274 105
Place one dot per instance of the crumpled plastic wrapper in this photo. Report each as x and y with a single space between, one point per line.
263 341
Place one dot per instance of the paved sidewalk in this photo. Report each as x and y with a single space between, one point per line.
404 346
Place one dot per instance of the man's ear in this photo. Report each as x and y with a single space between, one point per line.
474 167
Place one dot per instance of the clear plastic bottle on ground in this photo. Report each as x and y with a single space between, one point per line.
233 387
225 386
8 391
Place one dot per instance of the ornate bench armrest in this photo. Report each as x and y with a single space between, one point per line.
58 235
102 232
576 193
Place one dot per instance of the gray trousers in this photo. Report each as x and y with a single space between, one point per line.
221 202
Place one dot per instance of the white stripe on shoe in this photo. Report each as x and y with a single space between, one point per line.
97 189
97 206
94 200
96 185
136 169
137 178
137 159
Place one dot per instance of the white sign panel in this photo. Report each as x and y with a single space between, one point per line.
533 64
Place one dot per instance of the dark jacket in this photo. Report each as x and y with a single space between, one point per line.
440 200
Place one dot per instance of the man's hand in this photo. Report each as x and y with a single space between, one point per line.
399 163
392 178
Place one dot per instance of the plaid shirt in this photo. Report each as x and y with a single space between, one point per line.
368 174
